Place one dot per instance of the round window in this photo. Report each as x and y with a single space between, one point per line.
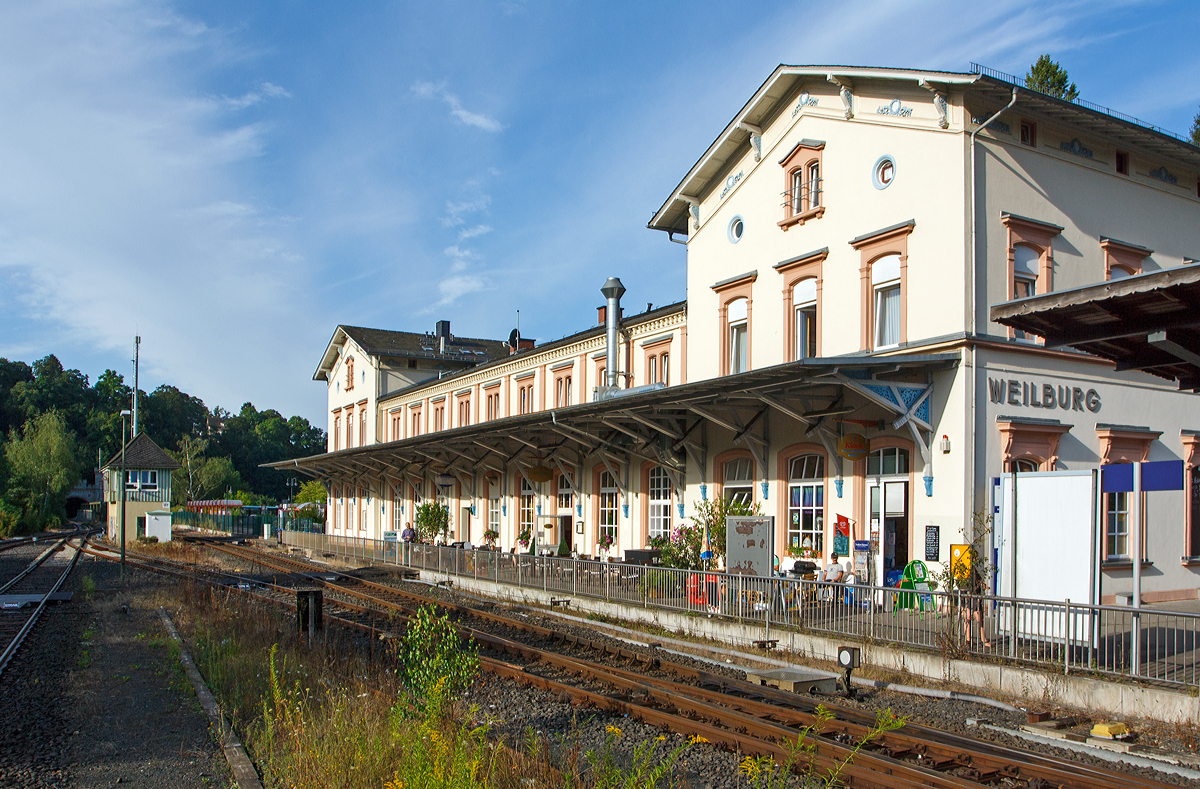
736 228
885 172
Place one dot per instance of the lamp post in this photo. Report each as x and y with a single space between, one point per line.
125 413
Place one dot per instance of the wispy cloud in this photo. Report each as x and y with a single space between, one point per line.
455 211
428 90
454 288
265 90
473 232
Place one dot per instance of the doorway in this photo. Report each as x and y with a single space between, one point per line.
887 490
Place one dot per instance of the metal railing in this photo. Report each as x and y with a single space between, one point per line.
242 525
1057 635
1021 82
805 197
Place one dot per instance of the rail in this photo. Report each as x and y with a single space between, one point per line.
1057 635
1012 79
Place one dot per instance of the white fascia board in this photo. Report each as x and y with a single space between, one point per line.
821 72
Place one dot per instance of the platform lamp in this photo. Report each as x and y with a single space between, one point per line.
848 659
124 413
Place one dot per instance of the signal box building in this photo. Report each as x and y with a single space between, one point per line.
147 487
835 362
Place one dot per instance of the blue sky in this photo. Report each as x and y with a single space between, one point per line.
232 180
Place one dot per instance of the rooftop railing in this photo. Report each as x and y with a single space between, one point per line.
1022 83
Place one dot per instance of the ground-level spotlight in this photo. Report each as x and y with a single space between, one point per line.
848 659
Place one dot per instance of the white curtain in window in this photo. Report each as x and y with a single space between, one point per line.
1026 261
736 316
887 316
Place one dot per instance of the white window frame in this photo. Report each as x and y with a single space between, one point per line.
610 507
737 488
806 519
659 493
1116 526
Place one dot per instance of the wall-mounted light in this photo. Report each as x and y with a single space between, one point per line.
945 444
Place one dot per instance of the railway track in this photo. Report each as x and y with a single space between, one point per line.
27 593
727 712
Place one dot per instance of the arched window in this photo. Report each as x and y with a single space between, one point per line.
806 504
814 185
804 302
660 503
566 493
1023 465
739 480
738 336
526 511
1026 261
885 282
609 501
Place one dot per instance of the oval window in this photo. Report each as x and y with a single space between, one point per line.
736 228
885 172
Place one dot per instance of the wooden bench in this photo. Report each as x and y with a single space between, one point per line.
555 602
767 643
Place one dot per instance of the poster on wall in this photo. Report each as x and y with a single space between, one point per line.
841 536
933 543
749 545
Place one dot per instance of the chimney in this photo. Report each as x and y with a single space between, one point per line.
612 292
525 344
602 314
442 332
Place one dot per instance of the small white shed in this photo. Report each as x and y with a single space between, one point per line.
158 524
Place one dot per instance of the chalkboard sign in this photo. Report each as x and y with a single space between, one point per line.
933 543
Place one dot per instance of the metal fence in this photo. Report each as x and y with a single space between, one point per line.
1058 635
240 525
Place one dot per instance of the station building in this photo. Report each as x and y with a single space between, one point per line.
847 232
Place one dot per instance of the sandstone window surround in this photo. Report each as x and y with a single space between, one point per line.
1038 236
1191 461
657 355
1030 439
1122 259
802 285
737 333
803 184
890 242
1125 443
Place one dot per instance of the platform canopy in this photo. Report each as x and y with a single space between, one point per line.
1148 322
667 425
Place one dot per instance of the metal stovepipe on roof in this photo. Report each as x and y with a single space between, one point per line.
612 291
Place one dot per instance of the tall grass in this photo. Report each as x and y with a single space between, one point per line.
327 716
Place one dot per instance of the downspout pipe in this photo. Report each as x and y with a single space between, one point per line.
612 291
975 314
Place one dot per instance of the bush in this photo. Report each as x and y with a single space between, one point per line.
432 519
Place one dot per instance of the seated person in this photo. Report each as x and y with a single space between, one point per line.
834 573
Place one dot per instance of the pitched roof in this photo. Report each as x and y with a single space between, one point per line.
594 331
142 452
383 342
411 345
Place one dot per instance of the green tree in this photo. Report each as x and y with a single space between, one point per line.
710 516
185 480
43 468
312 492
432 519
218 477
11 374
54 388
1050 78
1195 137
167 415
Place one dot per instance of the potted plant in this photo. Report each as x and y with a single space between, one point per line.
524 538
605 541
491 537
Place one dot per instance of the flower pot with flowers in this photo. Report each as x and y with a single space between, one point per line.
605 541
525 538
491 537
